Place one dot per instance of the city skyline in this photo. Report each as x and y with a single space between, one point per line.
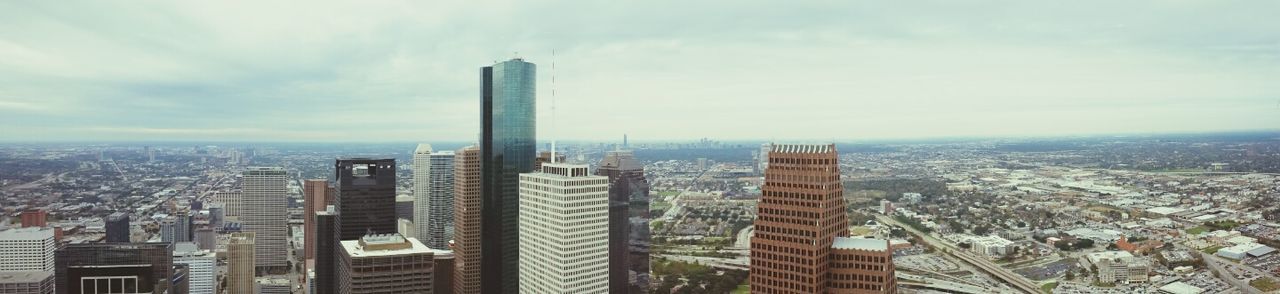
883 70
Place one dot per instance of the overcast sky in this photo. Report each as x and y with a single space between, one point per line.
773 70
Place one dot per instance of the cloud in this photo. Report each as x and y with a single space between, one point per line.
407 70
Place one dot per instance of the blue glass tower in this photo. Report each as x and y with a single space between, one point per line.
508 109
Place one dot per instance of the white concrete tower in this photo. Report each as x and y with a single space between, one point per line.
564 230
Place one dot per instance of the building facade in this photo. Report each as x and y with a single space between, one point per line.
366 201
326 251
861 266
466 219
801 211
27 282
27 249
628 222
316 197
114 268
508 145
35 218
387 263
433 191
564 227
265 215
230 201
201 267
117 226
240 259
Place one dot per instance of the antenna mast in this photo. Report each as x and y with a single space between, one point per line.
553 105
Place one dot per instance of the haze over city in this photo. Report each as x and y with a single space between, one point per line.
657 70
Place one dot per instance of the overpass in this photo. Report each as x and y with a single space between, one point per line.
905 279
1017 281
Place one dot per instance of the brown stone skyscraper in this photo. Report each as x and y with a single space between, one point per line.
466 220
800 213
316 197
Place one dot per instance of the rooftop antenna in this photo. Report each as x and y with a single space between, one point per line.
553 105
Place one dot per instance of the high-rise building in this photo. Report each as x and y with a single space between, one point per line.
763 157
387 263
266 216
201 267
366 199
35 218
861 265
240 263
206 239
443 272
27 282
217 215
404 207
466 219
168 229
315 198
114 268
801 211
27 249
628 226
326 251
508 145
180 282
433 192
176 228
117 226
545 157
564 226
230 201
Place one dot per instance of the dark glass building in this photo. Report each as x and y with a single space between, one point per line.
114 268
628 222
118 228
325 255
508 111
366 202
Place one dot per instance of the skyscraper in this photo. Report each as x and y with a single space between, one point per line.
114 268
385 263
628 226
231 202
325 260
404 208
861 265
265 215
117 226
433 191
507 149
34 218
201 271
564 226
315 198
366 199
240 259
801 211
467 219
27 249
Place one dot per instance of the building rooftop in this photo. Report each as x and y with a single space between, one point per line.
423 148
16 277
804 148
1181 288
384 245
860 244
26 233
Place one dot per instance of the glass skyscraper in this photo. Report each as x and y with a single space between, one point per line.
507 148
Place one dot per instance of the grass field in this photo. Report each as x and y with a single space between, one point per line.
1265 284
1197 230
1048 287
742 289
1211 249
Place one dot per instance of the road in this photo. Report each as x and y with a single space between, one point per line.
1017 281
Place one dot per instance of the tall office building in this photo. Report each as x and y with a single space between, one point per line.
507 148
315 198
861 265
114 268
168 228
443 272
564 226
801 211
201 268
763 157
466 219
240 263
386 263
366 199
27 282
433 193
176 228
266 216
117 226
217 215
628 226
231 202
205 238
27 249
326 243
405 207
35 218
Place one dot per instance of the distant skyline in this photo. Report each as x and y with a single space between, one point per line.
404 71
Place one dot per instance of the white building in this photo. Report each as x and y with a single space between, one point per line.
265 214
564 230
201 267
27 249
433 195
991 246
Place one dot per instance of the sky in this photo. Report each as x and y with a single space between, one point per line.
654 70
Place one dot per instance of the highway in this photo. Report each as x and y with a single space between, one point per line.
1017 281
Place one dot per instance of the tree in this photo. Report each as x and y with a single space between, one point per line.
1070 275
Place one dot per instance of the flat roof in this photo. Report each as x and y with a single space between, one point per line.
860 243
14 277
26 233
1181 288
353 248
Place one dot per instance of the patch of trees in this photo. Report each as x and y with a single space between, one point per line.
894 188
